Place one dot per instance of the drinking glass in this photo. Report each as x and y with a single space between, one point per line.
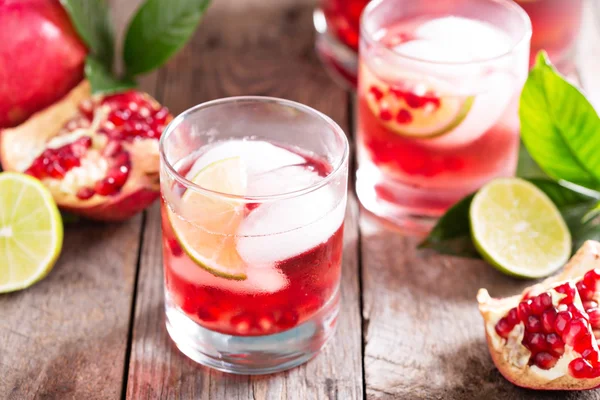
438 94
253 199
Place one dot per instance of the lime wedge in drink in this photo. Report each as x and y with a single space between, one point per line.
205 224
31 231
517 229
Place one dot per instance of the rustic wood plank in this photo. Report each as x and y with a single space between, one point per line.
588 56
246 47
424 337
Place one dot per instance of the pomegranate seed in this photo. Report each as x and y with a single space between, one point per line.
206 314
374 91
118 175
540 303
537 342
548 319
512 316
555 343
584 292
106 186
524 309
113 147
589 304
121 159
242 323
544 360
567 289
162 114
533 324
594 315
385 114
580 368
503 328
591 278
288 319
404 117
415 101
583 342
85 193
266 323
562 319
175 248
574 329
118 117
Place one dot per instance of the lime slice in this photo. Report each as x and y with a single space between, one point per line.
517 229
426 116
205 225
31 231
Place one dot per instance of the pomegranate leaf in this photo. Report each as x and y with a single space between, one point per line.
559 127
103 81
452 234
92 21
158 30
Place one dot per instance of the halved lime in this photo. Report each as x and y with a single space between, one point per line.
517 229
205 224
427 115
31 231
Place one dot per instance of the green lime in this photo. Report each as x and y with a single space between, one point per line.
205 224
31 231
518 229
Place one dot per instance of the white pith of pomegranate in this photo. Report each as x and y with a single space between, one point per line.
98 155
546 337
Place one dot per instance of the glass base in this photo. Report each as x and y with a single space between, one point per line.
252 355
340 60
412 209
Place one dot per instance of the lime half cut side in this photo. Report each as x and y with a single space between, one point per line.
31 231
205 224
518 229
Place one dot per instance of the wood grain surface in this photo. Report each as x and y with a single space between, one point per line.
94 328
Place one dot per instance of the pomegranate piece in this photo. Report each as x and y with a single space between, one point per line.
41 57
105 170
549 328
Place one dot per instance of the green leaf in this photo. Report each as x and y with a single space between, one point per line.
452 234
103 81
159 29
527 167
559 127
91 19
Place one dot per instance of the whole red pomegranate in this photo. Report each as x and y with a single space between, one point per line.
545 338
41 57
98 154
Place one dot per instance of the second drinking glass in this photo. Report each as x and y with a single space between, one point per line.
439 85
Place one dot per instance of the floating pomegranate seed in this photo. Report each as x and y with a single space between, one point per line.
415 101
385 114
540 303
404 117
524 310
376 93
545 360
175 248
206 314
591 278
555 344
242 323
288 319
85 193
562 319
548 319
266 323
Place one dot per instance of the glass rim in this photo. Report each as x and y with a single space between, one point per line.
188 184
508 4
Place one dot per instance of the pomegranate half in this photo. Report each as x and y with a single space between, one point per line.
545 338
41 57
98 155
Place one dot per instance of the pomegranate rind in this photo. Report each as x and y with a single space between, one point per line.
20 145
586 259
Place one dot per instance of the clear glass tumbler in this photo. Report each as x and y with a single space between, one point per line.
254 194
438 94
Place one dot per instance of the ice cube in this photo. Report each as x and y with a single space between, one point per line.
277 231
281 180
258 156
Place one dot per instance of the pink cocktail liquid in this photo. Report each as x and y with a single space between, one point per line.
434 127
277 295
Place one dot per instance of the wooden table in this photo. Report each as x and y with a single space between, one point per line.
409 327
